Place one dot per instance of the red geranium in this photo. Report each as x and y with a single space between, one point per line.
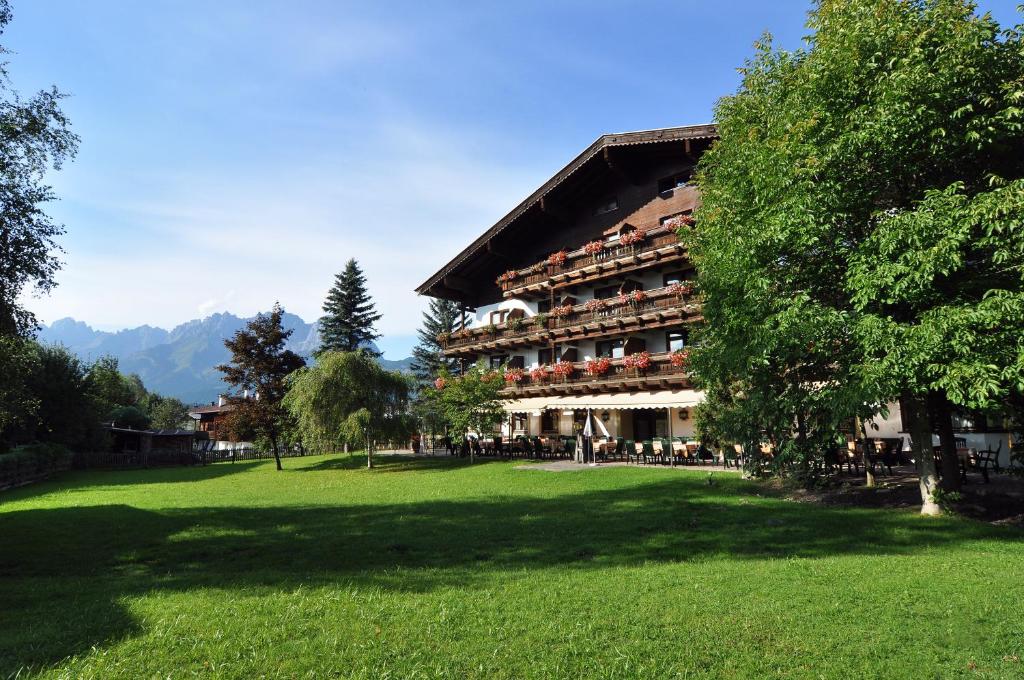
594 248
637 296
558 258
680 358
563 369
510 275
596 367
593 305
633 237
563 310
681 288
639 360
539 374
440 383
514 375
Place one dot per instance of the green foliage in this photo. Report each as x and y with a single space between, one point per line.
131 417
260 365
471 402
32 459
19 403
441 316
167 413
859 234
346 397
349 313
36 139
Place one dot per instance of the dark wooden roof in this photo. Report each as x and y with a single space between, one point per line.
674 134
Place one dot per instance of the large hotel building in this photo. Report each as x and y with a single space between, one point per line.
581 292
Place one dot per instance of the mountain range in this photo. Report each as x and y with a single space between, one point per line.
179 362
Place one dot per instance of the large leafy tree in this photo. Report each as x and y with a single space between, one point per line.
470 402
260 365
346 397
859 238
428 359
35 137
349 313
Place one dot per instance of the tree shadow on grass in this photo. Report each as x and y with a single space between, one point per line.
395 463
86 560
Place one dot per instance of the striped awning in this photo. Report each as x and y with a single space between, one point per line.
608 402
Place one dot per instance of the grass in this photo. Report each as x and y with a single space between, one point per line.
433 568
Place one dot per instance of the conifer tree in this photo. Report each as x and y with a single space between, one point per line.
442 316
349 314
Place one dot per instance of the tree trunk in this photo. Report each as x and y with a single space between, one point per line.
921 443
369 454
942 414
869 475
471 458
277 456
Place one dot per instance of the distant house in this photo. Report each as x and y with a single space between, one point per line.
212 419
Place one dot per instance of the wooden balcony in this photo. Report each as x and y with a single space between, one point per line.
661 246
661 374
659 308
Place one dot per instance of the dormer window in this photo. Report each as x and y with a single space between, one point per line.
607 206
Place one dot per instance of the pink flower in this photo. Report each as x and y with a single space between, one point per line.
558 258
440 383
593 248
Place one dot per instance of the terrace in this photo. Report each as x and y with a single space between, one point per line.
635 250
639 371
634 311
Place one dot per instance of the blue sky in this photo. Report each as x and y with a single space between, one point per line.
238 152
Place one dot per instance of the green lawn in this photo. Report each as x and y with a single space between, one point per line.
433 568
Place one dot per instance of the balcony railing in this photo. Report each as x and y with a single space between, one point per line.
662 367
546 272
620 308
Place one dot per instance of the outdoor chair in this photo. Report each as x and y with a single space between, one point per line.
631 454
648 452
570 448
667 454
620 448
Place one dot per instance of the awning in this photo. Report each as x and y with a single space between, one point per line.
528 405
608 402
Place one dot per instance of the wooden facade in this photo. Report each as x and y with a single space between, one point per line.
590 266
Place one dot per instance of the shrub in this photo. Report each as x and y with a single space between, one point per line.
32 459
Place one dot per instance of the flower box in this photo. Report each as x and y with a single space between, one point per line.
680 358
514 376
558 259
598 367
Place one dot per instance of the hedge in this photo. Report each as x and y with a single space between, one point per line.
32 462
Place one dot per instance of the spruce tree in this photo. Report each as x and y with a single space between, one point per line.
349 314
442 316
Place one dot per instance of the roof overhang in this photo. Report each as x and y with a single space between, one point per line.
447 277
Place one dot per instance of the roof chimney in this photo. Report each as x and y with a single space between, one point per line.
221 400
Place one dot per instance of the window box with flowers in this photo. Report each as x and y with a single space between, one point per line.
595 368
594 248
678 222
539 375
540 320
593 306
508 277
514 376
558 259
680 358
443 337
563 370
561 312
515 324
639 361
681 289
633 238
491 330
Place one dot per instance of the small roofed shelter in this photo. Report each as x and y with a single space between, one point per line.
143 448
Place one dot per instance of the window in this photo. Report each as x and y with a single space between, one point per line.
498 360
612 349
518 361
675 340
549 421
676 277
667 184
544 306
549 356
498 316
606 293
607 206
